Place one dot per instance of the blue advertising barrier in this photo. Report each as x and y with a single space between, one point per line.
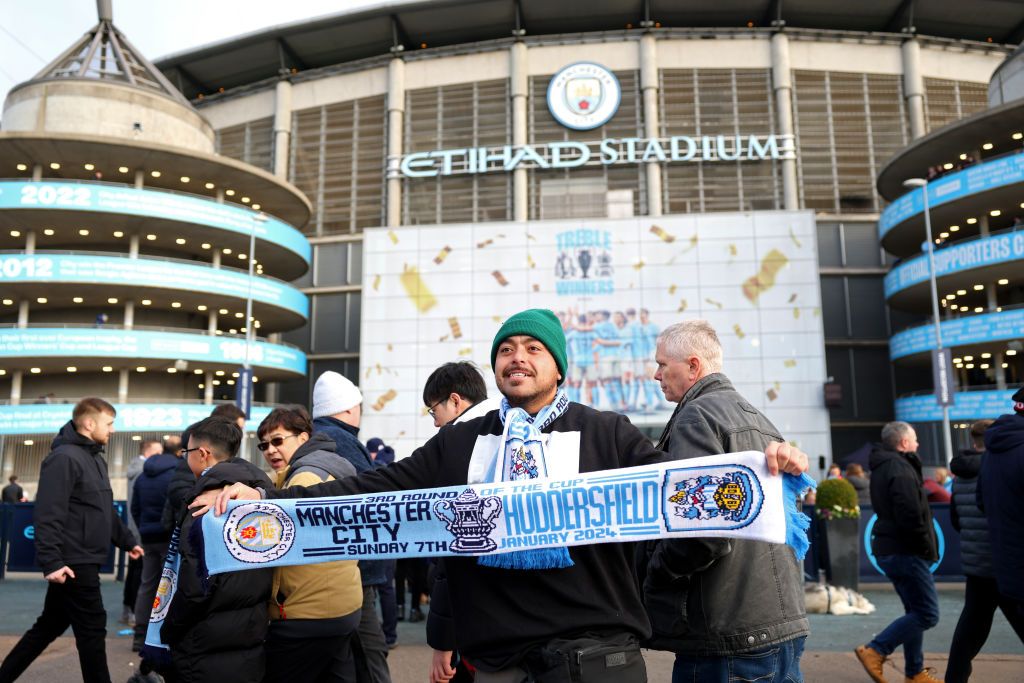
981 177
129 201
968 405
74 342
142 272
957 258
131 417
948 567
17 540
975 329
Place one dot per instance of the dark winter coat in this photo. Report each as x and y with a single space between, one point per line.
967 517
863 488
150 495
500 614
348 446
1000 485
178 490
692 587
216 628
904 525
74 514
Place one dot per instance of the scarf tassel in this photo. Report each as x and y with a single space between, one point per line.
797 523
541 558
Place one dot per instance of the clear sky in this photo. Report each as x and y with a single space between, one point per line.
34 32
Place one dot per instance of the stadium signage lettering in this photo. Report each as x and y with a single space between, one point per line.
607 152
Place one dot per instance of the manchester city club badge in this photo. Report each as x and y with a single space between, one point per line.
258 532
717 498
584 96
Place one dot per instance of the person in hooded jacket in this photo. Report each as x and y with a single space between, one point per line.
905 546
981 595
215 627
999 492
74 527
149 494
314 609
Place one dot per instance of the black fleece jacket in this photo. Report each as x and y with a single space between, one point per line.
904 525
500 614
74 514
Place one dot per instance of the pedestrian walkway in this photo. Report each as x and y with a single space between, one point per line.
829 656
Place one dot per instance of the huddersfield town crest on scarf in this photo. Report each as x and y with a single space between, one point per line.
730 497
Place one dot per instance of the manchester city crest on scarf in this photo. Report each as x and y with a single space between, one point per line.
729 499
258 532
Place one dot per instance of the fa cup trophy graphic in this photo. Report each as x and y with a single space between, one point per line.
471 521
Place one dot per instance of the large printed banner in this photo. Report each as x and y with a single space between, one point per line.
142 272
434 294
978 253
969 405
729 495
979 178
131 417
145 345
104 198
977 329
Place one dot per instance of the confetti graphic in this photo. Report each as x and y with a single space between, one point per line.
376 282
442 255
690 247
485 243
639 265
732 250
466 351
500 278
757 285
443 338
536 287
797 242
739 331
772 394
417 291
453 323
672 290
682 306
790 363
716 304
663 234
393 237
792 297
530 262
384 399
796 313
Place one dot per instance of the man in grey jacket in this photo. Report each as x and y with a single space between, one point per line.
705 599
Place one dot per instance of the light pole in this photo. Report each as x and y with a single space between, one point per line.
947 442
243 396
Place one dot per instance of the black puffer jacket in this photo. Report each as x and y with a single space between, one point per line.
904 525
967 517
150 495
1000 486
74 514
178 490
215 628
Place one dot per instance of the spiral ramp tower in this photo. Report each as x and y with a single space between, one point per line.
125 257
975 173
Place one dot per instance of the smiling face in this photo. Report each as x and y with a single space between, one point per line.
526 373
279 456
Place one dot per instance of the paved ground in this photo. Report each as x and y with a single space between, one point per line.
829 657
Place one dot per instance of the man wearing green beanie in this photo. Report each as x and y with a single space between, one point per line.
517 613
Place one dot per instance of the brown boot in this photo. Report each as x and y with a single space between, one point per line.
924 676
872 661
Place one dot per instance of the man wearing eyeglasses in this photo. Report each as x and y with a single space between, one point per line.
455 392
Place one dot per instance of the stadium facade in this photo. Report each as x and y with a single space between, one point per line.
459 157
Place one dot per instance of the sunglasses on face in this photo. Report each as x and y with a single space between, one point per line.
275 442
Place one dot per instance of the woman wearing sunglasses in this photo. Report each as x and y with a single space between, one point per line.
314 610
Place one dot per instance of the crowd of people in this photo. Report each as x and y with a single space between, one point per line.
581 614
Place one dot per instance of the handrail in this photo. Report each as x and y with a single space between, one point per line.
141 328
141 257
149 189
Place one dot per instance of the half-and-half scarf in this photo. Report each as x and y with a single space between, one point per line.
154 648
725 496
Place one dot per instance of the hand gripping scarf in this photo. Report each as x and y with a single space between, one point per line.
521 457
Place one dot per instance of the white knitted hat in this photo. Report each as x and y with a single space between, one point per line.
334 393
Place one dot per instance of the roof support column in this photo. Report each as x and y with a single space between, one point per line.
129 314
23 313
37 172
519 91
913 87
282 127
16 387
122 385
140 177
782 83
208 388
396 128
649 86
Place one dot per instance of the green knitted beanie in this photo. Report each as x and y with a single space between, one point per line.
542 325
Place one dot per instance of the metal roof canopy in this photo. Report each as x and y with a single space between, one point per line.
405 26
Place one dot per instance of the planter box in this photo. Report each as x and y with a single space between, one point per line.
841 552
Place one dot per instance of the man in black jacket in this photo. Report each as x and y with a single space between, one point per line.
704 602
216 628
905 546
74 527
507 619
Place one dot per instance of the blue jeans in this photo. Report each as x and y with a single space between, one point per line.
912 579
776 664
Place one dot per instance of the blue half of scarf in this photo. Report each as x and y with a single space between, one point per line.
521 454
